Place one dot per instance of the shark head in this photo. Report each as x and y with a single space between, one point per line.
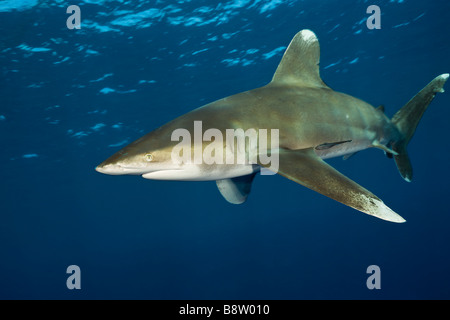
141 157
171 152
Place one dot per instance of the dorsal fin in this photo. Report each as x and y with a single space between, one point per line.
300 63
380 108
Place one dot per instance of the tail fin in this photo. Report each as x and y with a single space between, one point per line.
407 119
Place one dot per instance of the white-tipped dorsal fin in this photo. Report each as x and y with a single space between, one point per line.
300 63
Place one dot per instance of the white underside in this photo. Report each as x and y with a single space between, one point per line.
202 172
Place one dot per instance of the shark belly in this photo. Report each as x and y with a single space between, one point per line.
203 172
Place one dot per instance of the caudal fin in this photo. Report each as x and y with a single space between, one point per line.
407 119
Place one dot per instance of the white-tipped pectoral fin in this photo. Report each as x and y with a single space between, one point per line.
307 169
378 209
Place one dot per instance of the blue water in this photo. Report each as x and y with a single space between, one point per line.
71 98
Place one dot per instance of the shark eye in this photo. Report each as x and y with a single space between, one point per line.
148 157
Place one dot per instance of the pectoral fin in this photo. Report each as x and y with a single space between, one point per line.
307 169
236 190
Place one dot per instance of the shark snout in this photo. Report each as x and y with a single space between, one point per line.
122 169
113 169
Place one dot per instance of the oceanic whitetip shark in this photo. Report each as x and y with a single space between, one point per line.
314 123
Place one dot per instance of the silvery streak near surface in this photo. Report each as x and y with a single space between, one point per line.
314 123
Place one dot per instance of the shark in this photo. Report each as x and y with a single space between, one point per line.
314 123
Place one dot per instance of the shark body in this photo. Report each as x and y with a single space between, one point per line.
314 123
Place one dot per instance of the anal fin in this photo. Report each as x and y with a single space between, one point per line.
307 169
386 149
349 155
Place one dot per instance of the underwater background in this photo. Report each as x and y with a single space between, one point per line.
71 98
